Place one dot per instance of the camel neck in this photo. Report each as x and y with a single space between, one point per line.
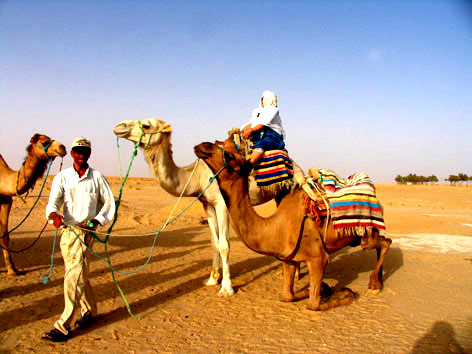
172 178
32 169
260 234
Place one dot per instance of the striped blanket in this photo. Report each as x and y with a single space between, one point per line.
274 167
353 203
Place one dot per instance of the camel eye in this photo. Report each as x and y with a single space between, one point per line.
146 126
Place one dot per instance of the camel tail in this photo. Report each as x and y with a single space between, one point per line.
342 298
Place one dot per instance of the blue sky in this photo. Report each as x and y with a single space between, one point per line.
383 87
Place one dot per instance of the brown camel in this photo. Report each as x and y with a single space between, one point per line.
288 234
155 140
12 183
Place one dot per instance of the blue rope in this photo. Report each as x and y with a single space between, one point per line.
45 277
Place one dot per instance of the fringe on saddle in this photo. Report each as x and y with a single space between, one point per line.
351 203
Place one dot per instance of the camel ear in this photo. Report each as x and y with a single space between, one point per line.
166 128
35 138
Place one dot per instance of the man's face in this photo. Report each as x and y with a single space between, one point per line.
80 155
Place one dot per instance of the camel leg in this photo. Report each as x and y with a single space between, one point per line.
316 270
297 271
218 221
288 271
381 244
213 224
223 247
5 207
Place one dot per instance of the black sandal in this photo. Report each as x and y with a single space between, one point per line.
56 335
85 321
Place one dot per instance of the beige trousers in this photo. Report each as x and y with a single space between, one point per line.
77 287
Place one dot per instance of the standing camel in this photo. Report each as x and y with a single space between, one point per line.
288 234
40 151
155 141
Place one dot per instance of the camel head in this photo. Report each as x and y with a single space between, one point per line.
228 156
153 130
45 148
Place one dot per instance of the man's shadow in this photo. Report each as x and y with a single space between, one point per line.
440 339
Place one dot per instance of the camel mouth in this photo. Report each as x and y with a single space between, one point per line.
200 151
61 153
58 151
121 130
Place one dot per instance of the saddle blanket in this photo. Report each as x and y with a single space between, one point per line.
275 166
352 201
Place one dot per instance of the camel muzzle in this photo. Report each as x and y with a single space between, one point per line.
121 130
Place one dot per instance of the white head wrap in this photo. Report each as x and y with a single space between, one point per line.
269 98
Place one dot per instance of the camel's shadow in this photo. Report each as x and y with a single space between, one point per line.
346 264
39 256
182 238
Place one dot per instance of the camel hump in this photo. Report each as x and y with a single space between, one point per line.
3 163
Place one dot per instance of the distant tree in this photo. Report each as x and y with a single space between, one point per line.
399 179
453 179
433 179
462 177
414 179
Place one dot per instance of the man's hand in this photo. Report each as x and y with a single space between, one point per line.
56 219
90 225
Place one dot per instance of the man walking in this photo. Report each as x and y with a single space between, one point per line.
87 201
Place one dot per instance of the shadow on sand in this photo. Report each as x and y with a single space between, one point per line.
440 339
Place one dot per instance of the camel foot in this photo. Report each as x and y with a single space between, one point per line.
373 291
210 282
326 291
342 298
375 286
226 288
14 272
214 278
226 292
287 298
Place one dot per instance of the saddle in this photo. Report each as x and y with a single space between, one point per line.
274 168
351 203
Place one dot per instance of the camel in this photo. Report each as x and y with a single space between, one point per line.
15 183
155 141
288 234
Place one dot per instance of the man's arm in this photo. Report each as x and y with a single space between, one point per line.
107 211
56 199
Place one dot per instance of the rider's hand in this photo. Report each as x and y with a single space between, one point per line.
247 132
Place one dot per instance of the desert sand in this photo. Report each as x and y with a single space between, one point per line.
425 306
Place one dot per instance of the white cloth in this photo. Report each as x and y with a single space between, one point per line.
84 198
267 116
77 288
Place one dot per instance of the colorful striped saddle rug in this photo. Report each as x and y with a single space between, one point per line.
353 203
274 167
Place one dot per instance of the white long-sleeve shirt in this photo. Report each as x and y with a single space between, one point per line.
267 116
83 198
